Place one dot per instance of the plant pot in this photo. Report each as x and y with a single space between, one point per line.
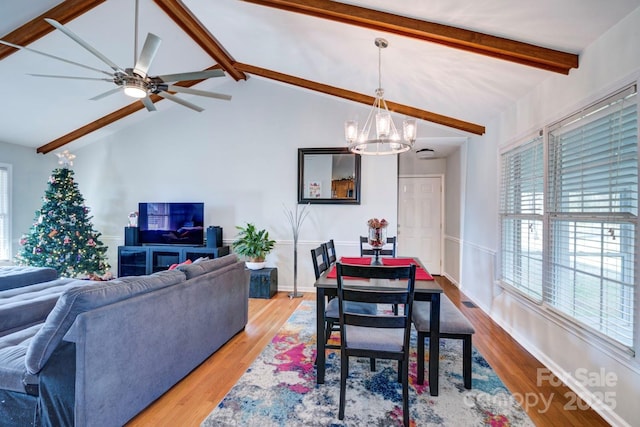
255 265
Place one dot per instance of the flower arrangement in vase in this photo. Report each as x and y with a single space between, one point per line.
377 232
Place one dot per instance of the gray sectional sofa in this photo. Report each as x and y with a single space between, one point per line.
103 351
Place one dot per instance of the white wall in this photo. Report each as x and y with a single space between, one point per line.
240 159
454 211
606 65
30 172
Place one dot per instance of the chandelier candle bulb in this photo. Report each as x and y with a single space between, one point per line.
409 129
351 130
383 125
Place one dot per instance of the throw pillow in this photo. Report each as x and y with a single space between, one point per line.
174 266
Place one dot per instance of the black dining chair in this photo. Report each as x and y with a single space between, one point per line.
376 336
331 324
319 259
330 249
320 265
365 250
389 249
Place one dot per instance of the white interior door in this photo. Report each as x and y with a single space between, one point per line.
420 220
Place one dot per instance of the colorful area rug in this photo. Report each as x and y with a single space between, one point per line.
279 388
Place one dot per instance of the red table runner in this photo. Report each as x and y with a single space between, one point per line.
356 261
398 261
421 273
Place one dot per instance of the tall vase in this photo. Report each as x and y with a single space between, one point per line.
296 219
377 239
295 293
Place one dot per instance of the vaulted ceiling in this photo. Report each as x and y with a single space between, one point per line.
454 64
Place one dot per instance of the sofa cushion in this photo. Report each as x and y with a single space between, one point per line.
13 349
80 299
206 266
214 264
192 270
32 305
10 293
17 276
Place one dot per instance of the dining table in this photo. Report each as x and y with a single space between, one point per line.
426 289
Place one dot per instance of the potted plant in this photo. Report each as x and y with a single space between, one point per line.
253 244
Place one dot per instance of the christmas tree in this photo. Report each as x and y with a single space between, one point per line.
62 236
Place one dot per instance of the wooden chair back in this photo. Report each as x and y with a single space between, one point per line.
319 259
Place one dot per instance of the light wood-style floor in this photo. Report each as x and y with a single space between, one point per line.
189 402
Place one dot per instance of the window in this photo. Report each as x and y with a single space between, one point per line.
521 209
5 212
583 264
593 214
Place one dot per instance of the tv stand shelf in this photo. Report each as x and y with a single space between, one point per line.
141 260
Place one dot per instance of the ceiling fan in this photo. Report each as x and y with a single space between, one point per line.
134 81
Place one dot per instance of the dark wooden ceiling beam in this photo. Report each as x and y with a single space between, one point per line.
471 41
37 27
183 17
108 119
364 99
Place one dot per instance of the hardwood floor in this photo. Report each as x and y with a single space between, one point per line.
189 402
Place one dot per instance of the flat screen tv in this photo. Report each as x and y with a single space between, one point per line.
171 223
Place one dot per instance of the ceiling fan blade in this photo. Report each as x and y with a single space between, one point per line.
196 75
105 94
174 98
147 103
70 77
188 90
55 57
84 44
151 45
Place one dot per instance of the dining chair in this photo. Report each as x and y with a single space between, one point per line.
331 323
366 250
330 249
379 335
319 259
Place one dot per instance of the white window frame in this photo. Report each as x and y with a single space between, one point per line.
545 305
5 213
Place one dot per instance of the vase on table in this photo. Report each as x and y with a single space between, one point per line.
377 238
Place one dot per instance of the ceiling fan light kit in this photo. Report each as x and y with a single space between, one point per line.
135 88
387 139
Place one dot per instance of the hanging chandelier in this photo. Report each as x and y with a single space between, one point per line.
386 140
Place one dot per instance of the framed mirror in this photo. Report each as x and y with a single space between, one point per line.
328 176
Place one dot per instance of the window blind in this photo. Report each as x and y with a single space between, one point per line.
4 213
592 198
521 210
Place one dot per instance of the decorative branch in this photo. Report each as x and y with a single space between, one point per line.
296 218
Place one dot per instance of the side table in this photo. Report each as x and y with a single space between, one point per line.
263 283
